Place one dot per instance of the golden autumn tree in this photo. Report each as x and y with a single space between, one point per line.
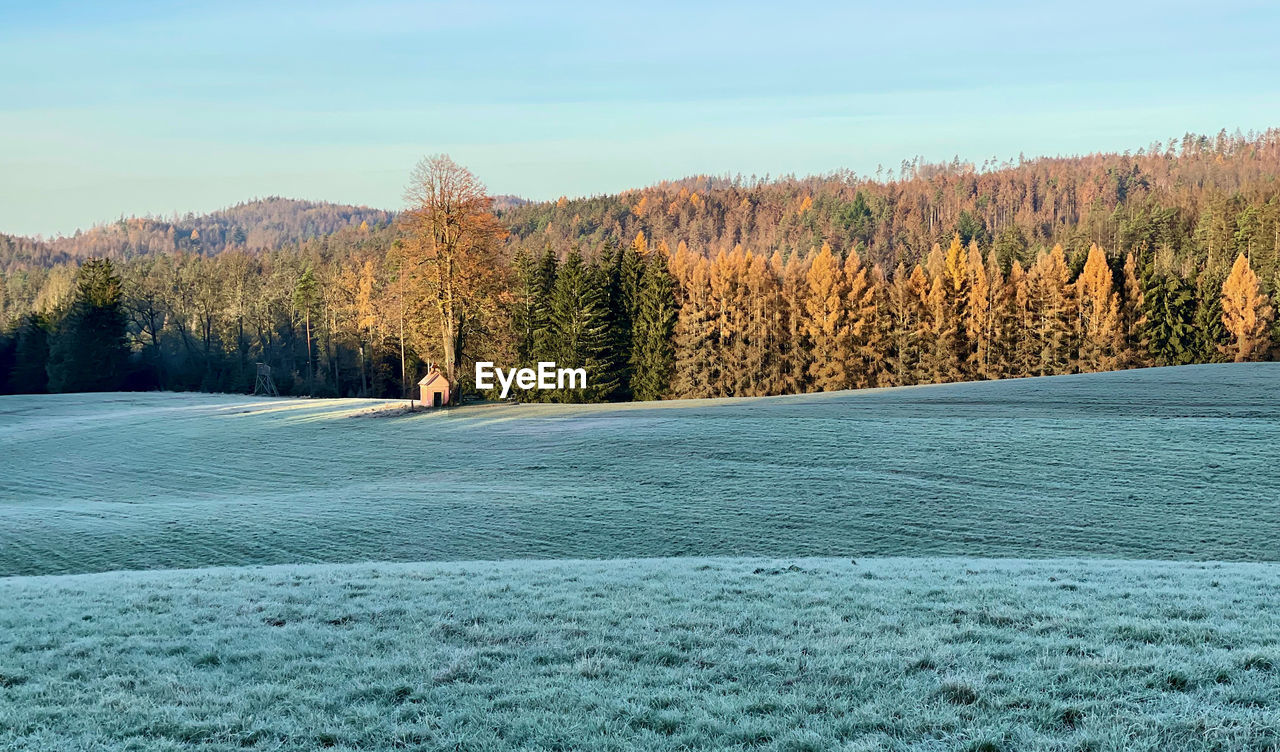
979 313
696 333
1246 313
1098 309
865 345
949 359
1132 319
764 322
729 308
796 353
1051 307
452 252
826 321
908 301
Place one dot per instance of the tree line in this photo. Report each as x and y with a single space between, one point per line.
833 292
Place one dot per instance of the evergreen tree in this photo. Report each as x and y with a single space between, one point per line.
1211 337
30 374
89 352
306 302
652 349
623 268
531 316
580 322
1169 308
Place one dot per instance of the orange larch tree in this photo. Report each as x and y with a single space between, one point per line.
1246 313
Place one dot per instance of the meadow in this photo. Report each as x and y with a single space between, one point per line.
798 654
1170 463
1069 563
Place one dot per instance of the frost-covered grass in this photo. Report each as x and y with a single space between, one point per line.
802 654
1176 463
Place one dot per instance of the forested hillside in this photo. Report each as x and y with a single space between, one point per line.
701 287
261 225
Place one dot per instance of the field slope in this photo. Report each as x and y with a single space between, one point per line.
1174 463
1025 608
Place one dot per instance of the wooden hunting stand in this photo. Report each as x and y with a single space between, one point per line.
265 385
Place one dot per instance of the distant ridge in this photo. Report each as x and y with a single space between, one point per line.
259 225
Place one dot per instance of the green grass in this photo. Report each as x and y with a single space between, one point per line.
1175 463
648 654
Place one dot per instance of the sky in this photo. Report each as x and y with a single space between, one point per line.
138 107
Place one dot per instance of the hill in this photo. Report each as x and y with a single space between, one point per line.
842 579
1171 463
259 225
1193 202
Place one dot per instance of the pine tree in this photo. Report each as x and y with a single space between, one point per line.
89 352
652 350
1246 313
1098 306
306 302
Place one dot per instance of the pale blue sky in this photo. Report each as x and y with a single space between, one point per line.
156 107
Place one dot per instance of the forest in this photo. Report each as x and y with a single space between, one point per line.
704 287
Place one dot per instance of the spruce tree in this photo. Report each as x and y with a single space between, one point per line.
30 374
580 325
531 318
89 352
652 349
1169 308
625 269
1211 337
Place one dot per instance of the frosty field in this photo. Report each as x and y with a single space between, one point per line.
1175 463
654 654
1073 563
